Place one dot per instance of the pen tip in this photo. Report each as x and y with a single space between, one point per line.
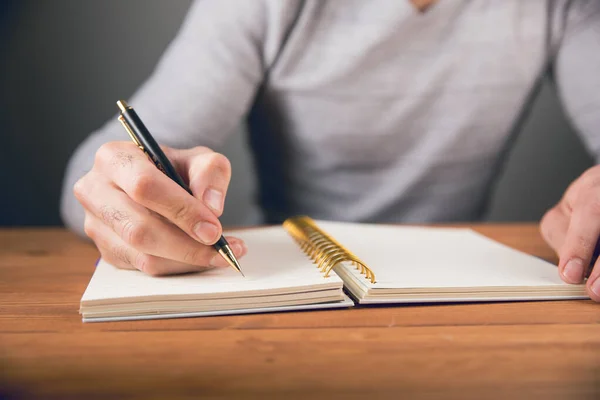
236 263
228 255
237 266
122 105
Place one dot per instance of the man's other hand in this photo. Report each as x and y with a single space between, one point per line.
572 229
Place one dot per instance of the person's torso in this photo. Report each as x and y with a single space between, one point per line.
388 114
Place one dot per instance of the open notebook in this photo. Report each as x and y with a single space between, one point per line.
311 265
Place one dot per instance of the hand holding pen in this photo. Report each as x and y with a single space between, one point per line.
141 218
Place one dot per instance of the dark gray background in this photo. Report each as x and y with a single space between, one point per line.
65 63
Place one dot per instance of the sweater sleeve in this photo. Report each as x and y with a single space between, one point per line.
577 70
198 93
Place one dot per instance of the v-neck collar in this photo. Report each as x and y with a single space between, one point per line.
422 6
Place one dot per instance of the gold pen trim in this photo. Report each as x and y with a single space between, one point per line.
130 132
122 104
228 255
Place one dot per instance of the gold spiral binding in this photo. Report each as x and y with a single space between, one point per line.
323 249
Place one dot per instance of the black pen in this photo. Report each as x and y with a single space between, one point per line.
144 140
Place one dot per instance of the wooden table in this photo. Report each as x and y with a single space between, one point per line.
470 351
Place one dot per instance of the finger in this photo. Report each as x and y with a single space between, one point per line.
141 229
207 172
131 171
121 255
593 283
580 242
554 226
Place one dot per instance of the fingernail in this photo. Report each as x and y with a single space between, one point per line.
237 246
574 270
214 199
238 249
596 287
206 232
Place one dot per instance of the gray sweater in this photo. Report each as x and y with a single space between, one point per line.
366 110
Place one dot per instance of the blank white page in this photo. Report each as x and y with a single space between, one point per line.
274 263
423 257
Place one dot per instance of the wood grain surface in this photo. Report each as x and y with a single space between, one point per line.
465 351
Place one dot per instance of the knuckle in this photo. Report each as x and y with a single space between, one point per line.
181 212
210 168
90 229
202 150
135 234
79 189
106 152
547 219
141 187
183 215
591 179
220 162
550 225
544 227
